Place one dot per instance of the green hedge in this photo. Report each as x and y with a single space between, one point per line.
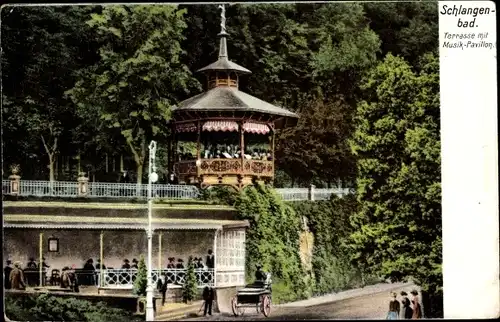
273 241
329 221
45 307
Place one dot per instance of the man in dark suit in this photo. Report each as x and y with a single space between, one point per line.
6 273
208 297
162 286
210 260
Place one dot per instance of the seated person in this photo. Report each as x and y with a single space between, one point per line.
260 276
171 263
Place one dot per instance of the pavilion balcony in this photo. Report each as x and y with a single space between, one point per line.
188 171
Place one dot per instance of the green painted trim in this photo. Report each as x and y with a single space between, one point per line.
27 204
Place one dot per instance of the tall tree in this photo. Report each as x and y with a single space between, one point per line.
409 29
397 143
42 46
139 75
317 150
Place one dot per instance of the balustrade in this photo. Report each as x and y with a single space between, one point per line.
38 188
174 276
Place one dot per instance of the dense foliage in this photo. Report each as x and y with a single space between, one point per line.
122 67
190 287
398 225
89 86
329 222
141 279
45 307
273 241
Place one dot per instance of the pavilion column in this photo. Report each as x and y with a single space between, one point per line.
40 262
273 140
198 150
242 147
101 255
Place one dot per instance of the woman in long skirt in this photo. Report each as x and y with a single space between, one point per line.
407 312
417 308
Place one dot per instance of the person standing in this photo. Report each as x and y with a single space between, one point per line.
210 260
417 308
407 312
16 277
6 274
394 308
208 297
162 286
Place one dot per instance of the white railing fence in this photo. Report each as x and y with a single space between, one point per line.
39 188
174 276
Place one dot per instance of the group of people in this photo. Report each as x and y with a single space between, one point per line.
410 309
29 275
208 294
227 152
14 276
197 261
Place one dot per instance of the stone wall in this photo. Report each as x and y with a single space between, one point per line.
77 246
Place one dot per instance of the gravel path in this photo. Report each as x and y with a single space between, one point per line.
367 303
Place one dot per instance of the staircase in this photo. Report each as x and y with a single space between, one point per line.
176 311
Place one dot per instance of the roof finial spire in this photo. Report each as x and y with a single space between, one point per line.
223 33
222 19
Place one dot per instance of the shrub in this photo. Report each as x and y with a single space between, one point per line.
46 307
190 287
141 280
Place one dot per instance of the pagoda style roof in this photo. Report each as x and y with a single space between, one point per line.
224 64
230 99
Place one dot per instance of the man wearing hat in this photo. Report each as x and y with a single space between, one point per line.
6 274
126 264
260 276
16 277
171 263
134 264
31 264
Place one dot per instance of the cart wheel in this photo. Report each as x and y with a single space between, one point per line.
266 306
234 304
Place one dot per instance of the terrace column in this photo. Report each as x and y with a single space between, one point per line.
101 255
83 185
40 266
160 235
215 258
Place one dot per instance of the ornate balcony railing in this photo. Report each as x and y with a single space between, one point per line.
225 167
131 190
174 276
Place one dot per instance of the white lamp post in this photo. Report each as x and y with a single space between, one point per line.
152 177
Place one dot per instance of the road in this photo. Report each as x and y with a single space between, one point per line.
372 307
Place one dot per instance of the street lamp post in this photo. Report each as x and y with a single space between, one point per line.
152 177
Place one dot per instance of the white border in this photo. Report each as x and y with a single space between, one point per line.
469 167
